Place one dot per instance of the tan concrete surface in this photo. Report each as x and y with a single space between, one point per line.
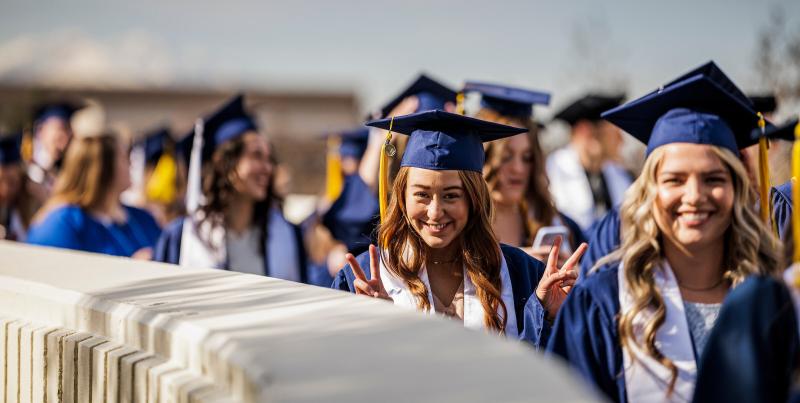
114 363
100 370
26 379
13 356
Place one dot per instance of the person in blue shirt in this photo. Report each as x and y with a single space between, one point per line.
514 171
438 253
85 213
235 220
690 235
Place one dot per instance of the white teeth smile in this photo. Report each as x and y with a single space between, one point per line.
436 226
694 216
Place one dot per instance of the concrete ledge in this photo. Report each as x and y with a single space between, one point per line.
141 331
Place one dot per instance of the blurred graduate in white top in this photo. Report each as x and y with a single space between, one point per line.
236 223
584 179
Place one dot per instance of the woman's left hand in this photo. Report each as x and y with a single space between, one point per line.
557 283
143 254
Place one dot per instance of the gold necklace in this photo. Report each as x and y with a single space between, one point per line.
709 288
440 262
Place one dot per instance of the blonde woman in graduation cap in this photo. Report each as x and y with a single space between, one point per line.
438 253
691 233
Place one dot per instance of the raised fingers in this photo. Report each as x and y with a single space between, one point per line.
552 258
356 267
362 287
576 257
374 264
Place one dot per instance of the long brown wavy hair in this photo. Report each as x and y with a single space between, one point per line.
87 174
750 248
218 189
406 252
537 208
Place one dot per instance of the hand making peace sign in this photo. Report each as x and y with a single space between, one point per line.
372 287
556 283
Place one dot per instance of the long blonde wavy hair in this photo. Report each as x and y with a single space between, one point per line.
537 208
750 248
87 174
405 250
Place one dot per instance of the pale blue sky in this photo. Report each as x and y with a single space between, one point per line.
376 47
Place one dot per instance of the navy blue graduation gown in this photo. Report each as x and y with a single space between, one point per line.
71 227
585 333
753 348
354 216
782 208
168 248
747 337
525 273
604 238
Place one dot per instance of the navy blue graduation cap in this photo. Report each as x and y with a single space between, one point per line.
699 109
431 95
441 140
353 142
226 123
714 73
508 101
229 122
782 132
764 103
589 107
60 110
10 149
155 143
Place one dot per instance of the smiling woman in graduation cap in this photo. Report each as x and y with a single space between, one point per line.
514 171
438 252
690 234
237 224
604 236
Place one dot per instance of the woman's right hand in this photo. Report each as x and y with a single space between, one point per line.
372 287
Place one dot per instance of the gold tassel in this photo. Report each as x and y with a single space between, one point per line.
796 194
387 151
763 173
460 103
334 182
26 147
160 187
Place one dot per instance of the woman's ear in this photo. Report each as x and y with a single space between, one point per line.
233 177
